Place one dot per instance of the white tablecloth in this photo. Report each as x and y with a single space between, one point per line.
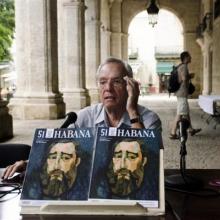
208 103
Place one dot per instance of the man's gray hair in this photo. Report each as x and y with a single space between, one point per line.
125 65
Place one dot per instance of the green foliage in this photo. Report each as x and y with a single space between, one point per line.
7 25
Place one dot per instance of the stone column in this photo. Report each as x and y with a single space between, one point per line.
105 29
116 45
196 64
105 43
92 42
37 95
116 35
216 58
60 30
124 42
207 66
75 94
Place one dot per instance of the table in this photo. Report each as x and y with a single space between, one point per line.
210 104
196 208
186 206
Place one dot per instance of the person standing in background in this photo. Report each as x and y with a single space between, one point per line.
182 96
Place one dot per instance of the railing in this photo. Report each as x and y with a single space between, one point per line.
168 50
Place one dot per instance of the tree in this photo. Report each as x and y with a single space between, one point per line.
7 26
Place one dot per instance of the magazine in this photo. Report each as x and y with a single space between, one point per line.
126 166
103 171
59 166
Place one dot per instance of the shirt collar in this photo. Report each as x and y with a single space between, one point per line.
102 118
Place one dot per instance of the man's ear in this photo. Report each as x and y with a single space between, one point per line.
78 160
144 161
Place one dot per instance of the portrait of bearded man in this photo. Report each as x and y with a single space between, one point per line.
126 169
60 168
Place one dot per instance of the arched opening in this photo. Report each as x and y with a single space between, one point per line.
153 51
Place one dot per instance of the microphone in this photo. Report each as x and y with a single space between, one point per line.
71 119
183 126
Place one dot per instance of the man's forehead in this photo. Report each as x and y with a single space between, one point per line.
116 68
65 147
133 146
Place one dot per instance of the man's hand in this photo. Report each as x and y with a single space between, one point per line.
132 101
133 94
10 170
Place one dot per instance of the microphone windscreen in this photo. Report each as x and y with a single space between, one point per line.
71 119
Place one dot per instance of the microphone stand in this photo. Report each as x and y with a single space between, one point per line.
183 180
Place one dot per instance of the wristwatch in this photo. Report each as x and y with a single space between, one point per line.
135 120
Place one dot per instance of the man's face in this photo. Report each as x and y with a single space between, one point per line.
60 169
188 59
112 86
128 168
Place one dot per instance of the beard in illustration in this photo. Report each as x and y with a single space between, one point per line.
56 183
123 182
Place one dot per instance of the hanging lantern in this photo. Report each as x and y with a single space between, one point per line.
153 11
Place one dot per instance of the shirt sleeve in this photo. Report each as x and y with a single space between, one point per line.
85 118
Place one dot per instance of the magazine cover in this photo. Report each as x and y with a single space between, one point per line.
59 165
126 166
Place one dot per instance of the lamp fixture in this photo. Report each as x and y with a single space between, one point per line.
152 11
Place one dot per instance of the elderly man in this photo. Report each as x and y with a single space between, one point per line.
119 94
119 107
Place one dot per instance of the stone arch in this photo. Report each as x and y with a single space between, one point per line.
178 15
188 14
130 10
136 10
155 41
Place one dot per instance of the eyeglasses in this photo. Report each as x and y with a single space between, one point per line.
116 83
